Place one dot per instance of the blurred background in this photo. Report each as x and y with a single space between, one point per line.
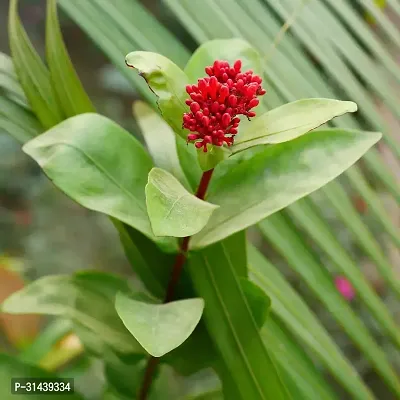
42 232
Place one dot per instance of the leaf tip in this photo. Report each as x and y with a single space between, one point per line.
352 107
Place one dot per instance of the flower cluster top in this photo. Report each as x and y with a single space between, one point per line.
217 100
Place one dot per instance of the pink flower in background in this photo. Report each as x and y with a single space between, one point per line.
345 288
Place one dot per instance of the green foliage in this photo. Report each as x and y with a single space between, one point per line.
257 354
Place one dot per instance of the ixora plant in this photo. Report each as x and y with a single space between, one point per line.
218 163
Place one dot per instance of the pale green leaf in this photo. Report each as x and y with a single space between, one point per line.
86 298
291 121
159 328
99 165
222 49
172 210
167 81
278 176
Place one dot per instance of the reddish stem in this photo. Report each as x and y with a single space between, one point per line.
175 275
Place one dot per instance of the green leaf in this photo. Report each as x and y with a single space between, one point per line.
160 140
99 165
67 86
147 261
222 49
299 373
257 299
212 157
18 121
11 367
32 73
159 328
278 176
173 211
189 162
87 298
231 324
291 121
167 81
9 81
48 337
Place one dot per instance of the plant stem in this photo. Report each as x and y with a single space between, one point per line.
174 279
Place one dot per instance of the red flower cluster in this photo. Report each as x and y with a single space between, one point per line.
217 100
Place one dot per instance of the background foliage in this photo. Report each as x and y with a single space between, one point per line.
340 49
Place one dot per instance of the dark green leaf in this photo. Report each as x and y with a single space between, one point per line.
257 299
231 324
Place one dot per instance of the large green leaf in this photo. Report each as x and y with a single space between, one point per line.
167 81
231 324
159 328
99 165
67 86
86 298
291 121
172 210
278 176
32 73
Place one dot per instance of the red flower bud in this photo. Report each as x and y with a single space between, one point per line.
237 65
253 103
194 107
226 119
